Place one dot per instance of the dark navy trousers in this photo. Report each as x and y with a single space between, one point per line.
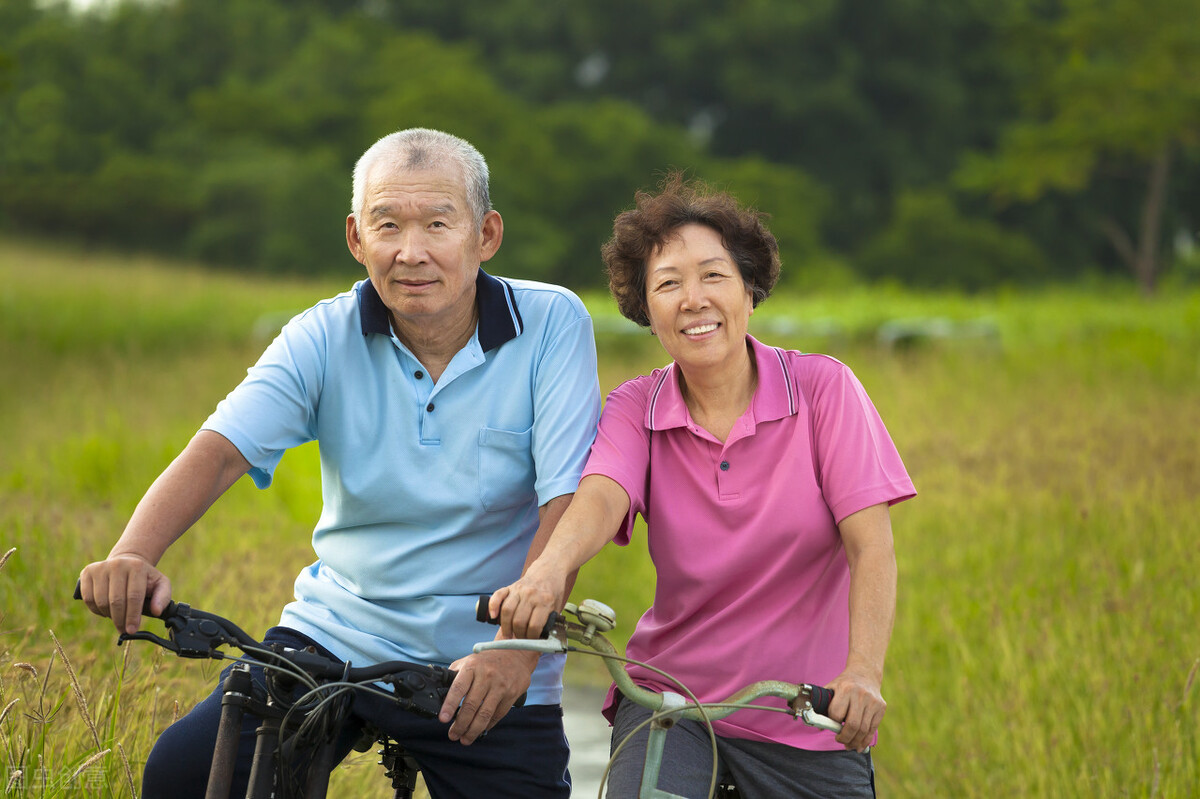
524 755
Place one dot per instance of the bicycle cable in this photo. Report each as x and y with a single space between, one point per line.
269 658
320 723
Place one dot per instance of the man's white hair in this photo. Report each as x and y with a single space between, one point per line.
423 148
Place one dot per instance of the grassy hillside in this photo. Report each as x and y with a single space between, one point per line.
1046 642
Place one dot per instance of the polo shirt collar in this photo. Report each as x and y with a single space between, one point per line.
775 397
499 319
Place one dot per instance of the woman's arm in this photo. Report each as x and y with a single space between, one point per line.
858 702
592 519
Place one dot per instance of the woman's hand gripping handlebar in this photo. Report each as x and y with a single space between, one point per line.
482 614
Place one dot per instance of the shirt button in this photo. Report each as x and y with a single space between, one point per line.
724 466
429 407
418 374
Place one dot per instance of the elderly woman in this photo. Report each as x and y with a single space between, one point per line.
764 476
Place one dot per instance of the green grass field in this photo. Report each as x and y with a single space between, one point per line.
1047 640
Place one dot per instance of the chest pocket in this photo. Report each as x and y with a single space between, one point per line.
505 468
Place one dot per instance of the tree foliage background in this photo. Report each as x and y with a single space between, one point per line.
962 144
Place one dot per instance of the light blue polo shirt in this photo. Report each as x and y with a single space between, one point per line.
431 492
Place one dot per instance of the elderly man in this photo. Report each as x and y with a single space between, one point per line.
454 412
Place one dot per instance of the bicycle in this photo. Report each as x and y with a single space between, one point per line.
806 702
295 728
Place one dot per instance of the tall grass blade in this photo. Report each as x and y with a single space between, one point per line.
80 699
128 771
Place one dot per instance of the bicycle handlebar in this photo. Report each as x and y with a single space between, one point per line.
808 702
169 610
482 614
194 633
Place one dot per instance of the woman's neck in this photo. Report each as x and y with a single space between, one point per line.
717 398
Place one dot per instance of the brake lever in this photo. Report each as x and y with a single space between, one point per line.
141 635
421 693
190 637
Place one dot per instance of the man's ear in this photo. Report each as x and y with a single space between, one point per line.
354 240
490 235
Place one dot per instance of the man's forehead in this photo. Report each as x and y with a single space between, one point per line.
387 204
445 177
425 187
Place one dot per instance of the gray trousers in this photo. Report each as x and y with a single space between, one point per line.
759 770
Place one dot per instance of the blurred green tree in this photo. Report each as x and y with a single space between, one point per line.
1112 91
931 243
825 114
226 129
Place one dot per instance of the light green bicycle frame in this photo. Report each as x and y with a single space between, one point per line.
668 707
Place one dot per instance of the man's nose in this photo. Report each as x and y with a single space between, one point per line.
411 247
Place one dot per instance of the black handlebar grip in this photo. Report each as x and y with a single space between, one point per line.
821 697
168 611
481 610
481 614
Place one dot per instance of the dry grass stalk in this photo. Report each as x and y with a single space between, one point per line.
14 779
85 764
80 699
8 707
128 771
29 668
4 558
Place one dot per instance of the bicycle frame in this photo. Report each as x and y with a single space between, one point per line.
807 702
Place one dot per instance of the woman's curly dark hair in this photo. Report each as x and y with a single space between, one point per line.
643 230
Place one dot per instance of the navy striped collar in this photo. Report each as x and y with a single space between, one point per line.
499 319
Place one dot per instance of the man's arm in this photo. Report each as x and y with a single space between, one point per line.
488 683
115 587
548 517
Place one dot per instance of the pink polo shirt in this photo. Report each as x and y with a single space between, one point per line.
752 582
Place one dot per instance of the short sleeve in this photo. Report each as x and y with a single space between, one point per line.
857 462
622 448
566 407
274 408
